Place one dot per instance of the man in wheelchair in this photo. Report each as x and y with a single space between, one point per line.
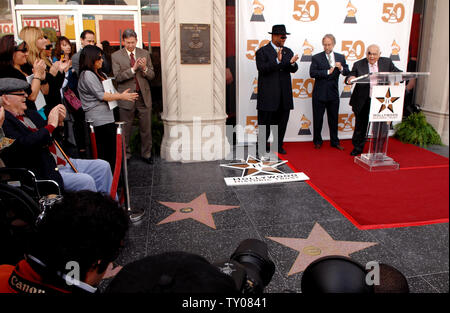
35 149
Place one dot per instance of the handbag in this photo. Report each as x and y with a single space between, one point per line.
72 99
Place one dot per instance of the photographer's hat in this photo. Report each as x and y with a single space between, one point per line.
171 272
279 30
12 84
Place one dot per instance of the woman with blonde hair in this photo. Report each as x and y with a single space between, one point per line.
36 42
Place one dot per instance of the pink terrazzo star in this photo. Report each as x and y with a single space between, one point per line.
198 209
318 244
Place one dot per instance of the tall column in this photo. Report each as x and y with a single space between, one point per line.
194 94
432 92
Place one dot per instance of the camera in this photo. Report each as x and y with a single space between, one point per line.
249 266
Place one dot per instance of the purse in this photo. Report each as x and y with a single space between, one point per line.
72 99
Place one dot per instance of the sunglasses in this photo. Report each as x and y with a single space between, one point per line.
283 37
23 50
48 47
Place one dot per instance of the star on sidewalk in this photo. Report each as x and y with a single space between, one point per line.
254 166
318 244
387 101
198 209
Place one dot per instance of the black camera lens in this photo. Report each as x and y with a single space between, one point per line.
253 253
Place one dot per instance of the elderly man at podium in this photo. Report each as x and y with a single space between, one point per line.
361 96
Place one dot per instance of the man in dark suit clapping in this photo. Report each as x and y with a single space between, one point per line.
361 96
325 69
275 63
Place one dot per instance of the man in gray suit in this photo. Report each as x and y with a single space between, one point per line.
133 70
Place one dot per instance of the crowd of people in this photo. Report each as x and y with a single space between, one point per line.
50 96
275 62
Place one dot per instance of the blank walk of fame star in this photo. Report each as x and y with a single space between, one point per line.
254 166
318 244
198 209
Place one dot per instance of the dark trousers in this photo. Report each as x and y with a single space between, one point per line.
332 108
105 136
361 124
279 118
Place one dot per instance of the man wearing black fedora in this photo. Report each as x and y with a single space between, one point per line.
275 63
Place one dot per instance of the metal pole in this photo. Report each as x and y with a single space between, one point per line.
120 38
149 42
135 215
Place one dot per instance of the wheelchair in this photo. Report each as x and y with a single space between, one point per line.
20 197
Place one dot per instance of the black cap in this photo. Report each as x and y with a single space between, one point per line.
171 272
335 274
8 85
279 30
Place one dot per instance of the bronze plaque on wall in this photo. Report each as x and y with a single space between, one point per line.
195 44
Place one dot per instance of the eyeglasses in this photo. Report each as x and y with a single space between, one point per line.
21 94
283 37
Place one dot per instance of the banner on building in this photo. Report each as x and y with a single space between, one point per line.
355 23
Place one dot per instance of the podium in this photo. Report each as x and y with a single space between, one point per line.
386 107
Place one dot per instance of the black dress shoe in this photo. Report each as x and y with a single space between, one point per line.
281 150
148 160
338 147
355 152
317 146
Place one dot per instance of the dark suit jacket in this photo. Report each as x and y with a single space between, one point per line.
361 93
30 150
274 80
326 87
126 79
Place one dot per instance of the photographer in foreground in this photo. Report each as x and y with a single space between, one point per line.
77 238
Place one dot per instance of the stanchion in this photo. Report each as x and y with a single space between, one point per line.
135 215
93 140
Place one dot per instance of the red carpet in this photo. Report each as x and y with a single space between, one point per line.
417 194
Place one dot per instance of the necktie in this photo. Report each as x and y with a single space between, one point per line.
329 59
373 80
132 62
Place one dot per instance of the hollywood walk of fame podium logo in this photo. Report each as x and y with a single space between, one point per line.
387 101
384 107
256 171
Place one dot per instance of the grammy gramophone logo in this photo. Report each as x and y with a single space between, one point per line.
347 92
307 52
395 50
351 14
305 125
251 125
258 9
255 90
